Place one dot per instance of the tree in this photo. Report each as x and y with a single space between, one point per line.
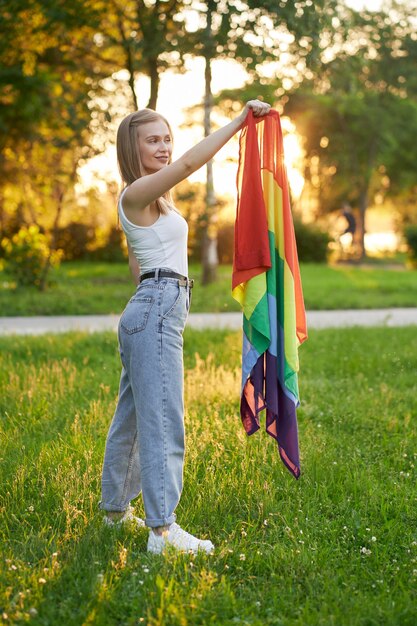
252 33
142 37
46 113
210 259
358 119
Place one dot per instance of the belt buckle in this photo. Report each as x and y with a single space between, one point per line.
191 283
182 282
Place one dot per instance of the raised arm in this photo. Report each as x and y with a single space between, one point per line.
148 188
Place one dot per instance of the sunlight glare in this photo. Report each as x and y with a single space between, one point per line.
177 93
293 157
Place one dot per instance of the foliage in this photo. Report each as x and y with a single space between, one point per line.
48 119
312 242
260 32
61 91
411 238
114 249
344 535
73 240
78 240
44 67
251 34
225 243
142 38
27 255
190 200
358 117
225 232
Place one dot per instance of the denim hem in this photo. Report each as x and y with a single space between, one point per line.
163 521
111 508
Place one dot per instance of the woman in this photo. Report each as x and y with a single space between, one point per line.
145 443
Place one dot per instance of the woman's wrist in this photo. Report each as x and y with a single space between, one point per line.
240 119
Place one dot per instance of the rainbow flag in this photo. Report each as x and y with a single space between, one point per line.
266 282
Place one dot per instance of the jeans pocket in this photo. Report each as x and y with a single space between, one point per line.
135 315
173 294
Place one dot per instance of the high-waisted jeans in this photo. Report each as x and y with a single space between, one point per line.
145 444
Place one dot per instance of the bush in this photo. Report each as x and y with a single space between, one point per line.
28 257
74 240
114 250
9 227
312 242
410 234
225 243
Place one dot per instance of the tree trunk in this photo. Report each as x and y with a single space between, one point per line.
59 196
154 76
132 87
363 205
363 198
209 259
129 60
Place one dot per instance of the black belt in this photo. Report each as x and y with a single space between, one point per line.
184 281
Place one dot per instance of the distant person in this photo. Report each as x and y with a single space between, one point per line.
145 444
350 218
347 213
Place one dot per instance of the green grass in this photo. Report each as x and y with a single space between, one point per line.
336 548
350 287
99 288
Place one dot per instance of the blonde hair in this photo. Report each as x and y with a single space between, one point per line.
128 153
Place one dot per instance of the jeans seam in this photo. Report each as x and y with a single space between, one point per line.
129 468
164 442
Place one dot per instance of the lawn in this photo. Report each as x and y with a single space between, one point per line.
338 547
94 288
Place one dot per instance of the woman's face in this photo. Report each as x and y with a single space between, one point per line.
155 145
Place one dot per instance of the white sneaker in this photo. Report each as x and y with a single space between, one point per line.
127 518
179 539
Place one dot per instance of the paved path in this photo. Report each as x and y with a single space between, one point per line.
315 319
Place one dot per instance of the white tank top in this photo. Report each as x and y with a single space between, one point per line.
163 244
